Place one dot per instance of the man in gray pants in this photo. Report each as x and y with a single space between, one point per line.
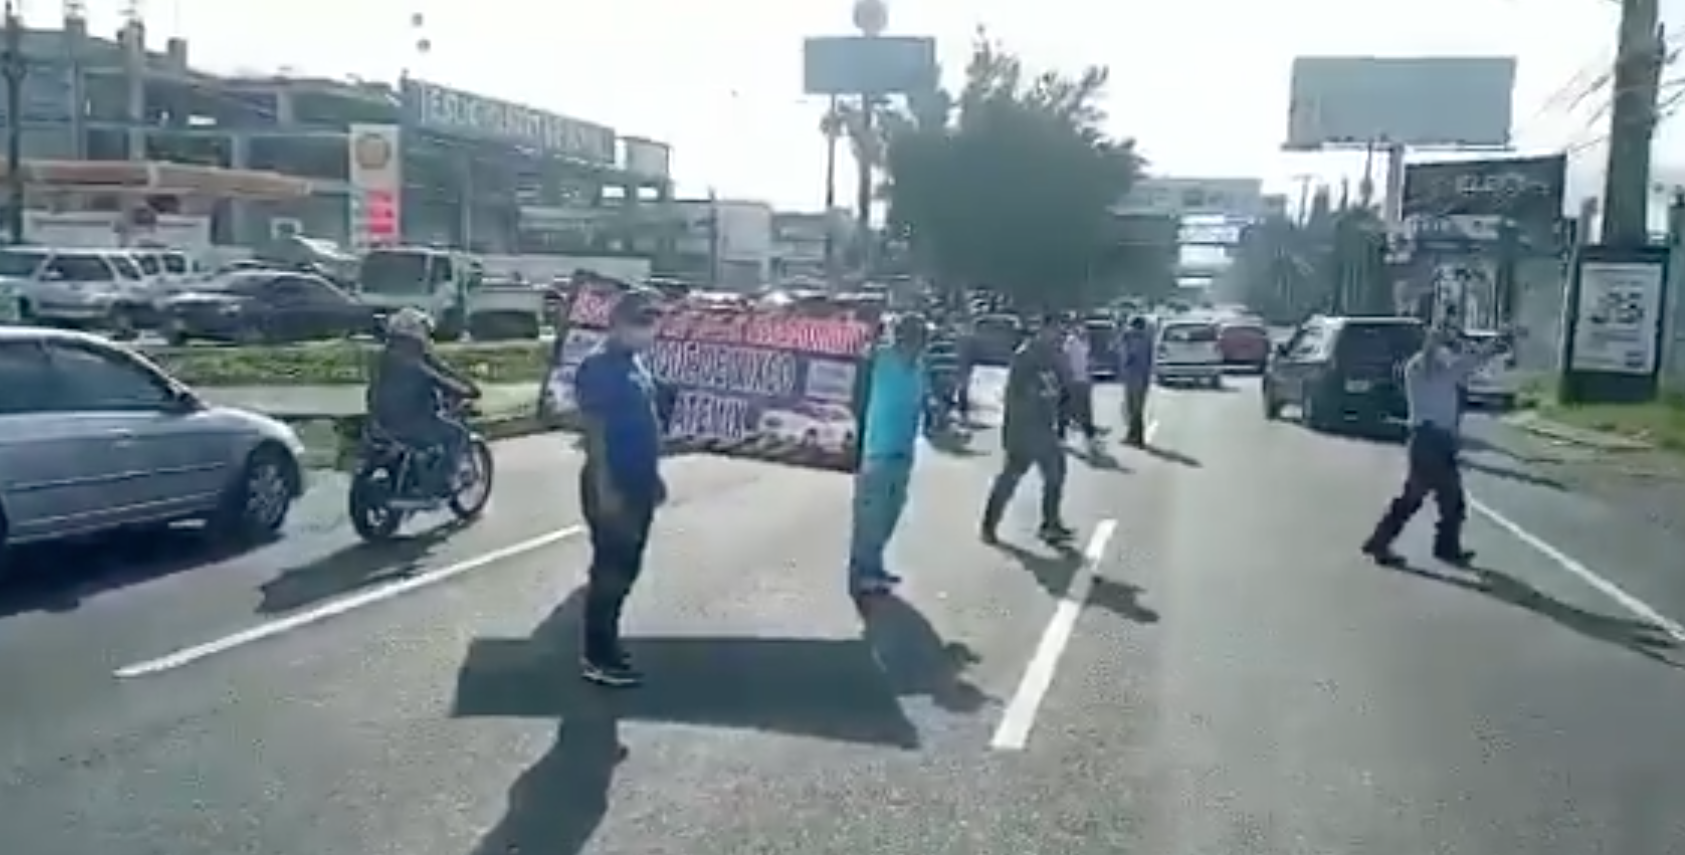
1030 434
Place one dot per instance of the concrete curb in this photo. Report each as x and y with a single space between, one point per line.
1551 429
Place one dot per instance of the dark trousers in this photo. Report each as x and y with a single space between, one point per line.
617 558
449 439
1076 407
1135 411
1432 470
1050 461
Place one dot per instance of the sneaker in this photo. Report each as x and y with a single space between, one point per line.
1056 533
613 676
1382 555
1455 557
870 586
988 535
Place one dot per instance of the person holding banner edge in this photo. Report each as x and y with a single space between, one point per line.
620 485
895 409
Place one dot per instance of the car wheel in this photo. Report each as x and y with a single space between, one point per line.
1309 414
255 505
1272 407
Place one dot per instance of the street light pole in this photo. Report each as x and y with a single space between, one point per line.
14 66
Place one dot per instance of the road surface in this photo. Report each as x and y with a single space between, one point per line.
1214 672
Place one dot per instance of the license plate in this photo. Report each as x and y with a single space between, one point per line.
1359 385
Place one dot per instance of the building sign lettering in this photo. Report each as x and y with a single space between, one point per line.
442 108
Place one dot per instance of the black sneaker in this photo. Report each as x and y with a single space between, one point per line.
1382 555
988 535
1056 533
1455 557
613 676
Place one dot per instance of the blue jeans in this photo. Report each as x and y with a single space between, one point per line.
880 495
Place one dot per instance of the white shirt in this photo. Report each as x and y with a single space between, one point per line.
1076 354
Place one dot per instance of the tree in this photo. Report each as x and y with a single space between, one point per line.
1012 187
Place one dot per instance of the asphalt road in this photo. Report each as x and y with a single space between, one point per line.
1225 676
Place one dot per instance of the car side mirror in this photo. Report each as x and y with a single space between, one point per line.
184 400
1281 349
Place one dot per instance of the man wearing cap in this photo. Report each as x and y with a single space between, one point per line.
895 403
620 485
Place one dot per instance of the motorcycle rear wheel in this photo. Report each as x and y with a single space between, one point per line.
372 516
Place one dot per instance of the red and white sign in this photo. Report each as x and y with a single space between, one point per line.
377 185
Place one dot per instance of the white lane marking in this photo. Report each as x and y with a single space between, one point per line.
1632 604
341 606
1013 733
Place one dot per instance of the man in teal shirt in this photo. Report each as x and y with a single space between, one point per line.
895 405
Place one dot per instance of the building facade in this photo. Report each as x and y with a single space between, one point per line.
474 171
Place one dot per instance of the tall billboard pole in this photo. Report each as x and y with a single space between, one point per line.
1632 125
870 18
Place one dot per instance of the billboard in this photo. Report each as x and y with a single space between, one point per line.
377 185
875 65
453 111
647 158
1526 190
1240 198
1415 101
783 384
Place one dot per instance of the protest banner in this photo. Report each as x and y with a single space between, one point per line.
779 383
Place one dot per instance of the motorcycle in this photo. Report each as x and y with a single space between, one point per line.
389 484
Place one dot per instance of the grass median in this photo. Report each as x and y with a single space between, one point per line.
1660 422
340 363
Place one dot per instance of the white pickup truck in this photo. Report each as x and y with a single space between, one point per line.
450 286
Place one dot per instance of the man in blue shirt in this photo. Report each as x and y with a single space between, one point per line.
895 403
620 485
1135 370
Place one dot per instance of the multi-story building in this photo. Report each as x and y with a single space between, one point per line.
800 241
471 170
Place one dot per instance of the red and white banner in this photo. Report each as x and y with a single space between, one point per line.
377 184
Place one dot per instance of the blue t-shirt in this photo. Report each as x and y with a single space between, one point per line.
894 406
614 388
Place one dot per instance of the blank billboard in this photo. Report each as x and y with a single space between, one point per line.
874 65
1241 198
1441 101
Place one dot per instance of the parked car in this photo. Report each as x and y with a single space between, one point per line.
1187 353
1496 384
73 288
95 438
267 306
1103 357
1244 344
1343 372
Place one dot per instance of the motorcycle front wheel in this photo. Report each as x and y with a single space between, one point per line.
372 515
474 480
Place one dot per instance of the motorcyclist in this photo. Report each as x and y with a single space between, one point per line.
408 389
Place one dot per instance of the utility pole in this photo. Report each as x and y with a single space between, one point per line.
14 66
714 237
1632 124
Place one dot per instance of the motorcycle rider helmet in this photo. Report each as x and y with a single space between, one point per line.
410 322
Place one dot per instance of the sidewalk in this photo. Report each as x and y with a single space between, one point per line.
300 402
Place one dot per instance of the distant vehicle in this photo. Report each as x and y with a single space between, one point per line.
1187 353
449 286
95 438
73 288
995 338
266 307
1343 372
1496 385
1244 344
1103 356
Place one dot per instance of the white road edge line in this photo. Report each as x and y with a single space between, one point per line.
1632 604
335 608
1149 431
1013 733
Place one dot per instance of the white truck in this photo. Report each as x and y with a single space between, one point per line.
450 286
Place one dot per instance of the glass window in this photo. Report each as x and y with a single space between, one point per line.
394 272
149 264
1306 343
247 284
21 262
126 266
94 379
80 268
1380 343
175 263
26 375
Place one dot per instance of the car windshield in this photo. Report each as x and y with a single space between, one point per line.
126 267
394 273
1190 333
1390 342
175 263
149 264
249 284
21 262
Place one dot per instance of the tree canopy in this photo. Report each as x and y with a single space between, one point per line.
1009 185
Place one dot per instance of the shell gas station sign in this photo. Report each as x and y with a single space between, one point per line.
377 185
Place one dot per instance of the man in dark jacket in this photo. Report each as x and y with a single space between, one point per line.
406 392
1030 433
1135 353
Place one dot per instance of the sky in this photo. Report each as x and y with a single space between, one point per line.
1201 84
